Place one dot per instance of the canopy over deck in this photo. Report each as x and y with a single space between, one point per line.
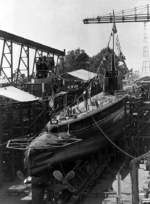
17 94
80 74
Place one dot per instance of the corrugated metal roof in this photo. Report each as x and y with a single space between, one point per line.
17 94
83 74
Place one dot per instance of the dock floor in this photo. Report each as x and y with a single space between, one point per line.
108 182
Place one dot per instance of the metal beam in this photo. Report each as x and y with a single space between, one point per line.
118 19
7 60
29 43
24 61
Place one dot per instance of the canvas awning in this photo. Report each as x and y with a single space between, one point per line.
80 74
17 94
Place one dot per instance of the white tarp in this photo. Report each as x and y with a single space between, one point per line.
17 94
83 74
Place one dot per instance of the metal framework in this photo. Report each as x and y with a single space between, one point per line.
7 53
129 16
140 14
7 68
146 59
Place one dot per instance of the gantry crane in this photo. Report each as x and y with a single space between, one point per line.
25 46
141 14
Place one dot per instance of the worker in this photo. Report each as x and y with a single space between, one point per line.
38 68
85 96
44 67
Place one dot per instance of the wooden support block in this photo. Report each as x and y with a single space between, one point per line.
38 190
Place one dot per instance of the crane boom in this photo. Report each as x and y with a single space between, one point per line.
134 15
118 19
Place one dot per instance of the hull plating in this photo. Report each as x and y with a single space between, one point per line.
93 132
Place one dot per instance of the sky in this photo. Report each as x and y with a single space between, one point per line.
59 24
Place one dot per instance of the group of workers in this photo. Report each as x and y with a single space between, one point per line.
43 66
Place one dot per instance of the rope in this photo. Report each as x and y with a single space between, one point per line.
116 146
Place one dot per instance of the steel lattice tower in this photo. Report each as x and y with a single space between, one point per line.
146 60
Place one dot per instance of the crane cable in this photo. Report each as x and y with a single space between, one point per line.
115 145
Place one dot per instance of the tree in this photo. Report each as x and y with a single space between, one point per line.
103 62
76 59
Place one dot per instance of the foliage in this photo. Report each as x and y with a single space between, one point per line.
102 62
76 59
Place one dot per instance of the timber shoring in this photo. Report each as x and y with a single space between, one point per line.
18 120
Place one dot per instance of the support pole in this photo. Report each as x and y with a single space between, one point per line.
38 190
134 181
119 188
